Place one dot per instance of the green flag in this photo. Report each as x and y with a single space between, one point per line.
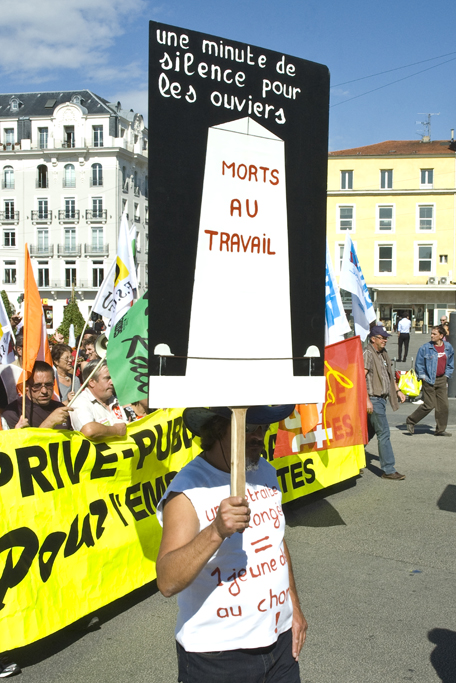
127 353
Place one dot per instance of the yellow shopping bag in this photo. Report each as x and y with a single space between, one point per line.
409 384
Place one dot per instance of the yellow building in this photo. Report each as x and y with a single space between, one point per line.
398 201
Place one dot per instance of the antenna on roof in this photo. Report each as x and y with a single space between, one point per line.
426 133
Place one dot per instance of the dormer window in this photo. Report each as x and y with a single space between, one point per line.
76 99
14 104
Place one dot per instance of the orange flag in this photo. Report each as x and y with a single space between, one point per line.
36 345
309 417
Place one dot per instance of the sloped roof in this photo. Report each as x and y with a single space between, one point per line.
394 148
34 103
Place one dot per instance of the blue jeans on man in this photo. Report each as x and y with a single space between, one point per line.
380 424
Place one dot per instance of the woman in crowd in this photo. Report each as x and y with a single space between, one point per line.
62 359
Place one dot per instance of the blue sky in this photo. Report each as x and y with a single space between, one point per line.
102 45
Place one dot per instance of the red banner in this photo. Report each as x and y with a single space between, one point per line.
342 419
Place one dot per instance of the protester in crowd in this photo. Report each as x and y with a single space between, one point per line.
9 375
137 410
381 384
88 350
200 547
445 325
63 362
97 413
58 338
99 326
403 333
40 408
434 365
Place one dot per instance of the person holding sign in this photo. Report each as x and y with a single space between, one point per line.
226 558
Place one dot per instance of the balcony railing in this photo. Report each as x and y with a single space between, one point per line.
96 250
45 216
68 250
68 182
8 184
71 216
40 250
68 284
42 183
97 215
96 182
9 216
68 143
10 281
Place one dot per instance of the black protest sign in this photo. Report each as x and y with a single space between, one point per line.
238 155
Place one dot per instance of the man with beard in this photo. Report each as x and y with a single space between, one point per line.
226 558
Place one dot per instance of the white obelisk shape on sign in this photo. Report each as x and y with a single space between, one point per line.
241 298
241 274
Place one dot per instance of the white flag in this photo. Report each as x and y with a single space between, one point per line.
336 324
352 280
6 339
104 300
125 282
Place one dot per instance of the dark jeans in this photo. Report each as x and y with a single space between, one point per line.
404 339
435 396
379 422
272 664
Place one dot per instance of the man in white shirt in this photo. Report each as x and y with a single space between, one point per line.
96 412
403 333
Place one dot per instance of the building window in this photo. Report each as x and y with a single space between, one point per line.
386 180
97 275
69 176
426 217
346 180
136 212
42 180
9 238
70 208
425 258
68 136
443 258
146 187
70 240
124 178
9 277
43 274
9 209
14 104
43 134
43 240
43 209
70 275
97 207
97 175
346 218
97 136
8 134
385 218
385 260
427 177
97 239
8 178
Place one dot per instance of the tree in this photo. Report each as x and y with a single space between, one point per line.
9 308
71 315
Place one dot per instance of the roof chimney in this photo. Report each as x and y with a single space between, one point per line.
452 133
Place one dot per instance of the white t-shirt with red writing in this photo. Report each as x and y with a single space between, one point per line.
241 597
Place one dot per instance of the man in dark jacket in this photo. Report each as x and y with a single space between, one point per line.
381 385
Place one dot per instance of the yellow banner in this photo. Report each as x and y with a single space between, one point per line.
78 527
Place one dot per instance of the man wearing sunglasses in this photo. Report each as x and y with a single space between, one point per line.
226 559
40 408
381 385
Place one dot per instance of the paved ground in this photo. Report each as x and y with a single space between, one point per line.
375 563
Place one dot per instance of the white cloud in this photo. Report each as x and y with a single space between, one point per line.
38 39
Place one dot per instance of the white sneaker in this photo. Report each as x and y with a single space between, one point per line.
418 402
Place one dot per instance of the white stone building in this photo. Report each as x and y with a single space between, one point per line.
69 163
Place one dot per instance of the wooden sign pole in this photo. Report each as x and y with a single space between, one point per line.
238 417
